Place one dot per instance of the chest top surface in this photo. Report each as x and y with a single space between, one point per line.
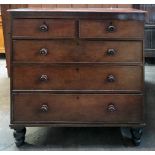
111 13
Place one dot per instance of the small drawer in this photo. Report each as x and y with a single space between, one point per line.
77 77
77 108
111 29
44 28
77 51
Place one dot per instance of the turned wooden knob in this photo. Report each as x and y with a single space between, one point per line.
43 51
44 108
111 28
43 28
43 78
110 78
111 52
111 108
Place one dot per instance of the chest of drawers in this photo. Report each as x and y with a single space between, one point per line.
77 67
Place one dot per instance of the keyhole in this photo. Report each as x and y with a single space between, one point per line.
77 69
77 97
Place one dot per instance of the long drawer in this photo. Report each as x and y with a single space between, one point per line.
76 108
77 51
77 77
44 28
111 29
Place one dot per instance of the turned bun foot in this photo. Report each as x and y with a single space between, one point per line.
19 135
136 134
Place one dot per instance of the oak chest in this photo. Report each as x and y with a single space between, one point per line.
77 67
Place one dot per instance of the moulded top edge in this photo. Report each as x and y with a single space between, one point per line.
80 10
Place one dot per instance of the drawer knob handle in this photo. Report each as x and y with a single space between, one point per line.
111 28
111 108
44 78
43 28
43 51
111 78
44 108
111 52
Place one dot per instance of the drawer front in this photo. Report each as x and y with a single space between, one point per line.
111 29
81 51
44 28
77 108
77 77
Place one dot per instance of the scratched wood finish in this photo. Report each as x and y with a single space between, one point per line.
61 51
77 108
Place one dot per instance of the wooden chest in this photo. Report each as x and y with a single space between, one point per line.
77 67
